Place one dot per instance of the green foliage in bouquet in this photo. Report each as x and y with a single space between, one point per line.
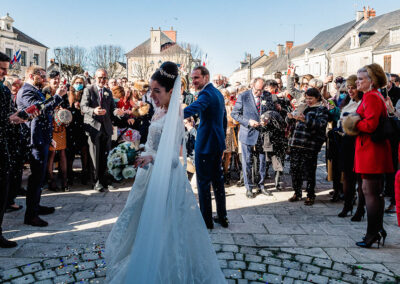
120 161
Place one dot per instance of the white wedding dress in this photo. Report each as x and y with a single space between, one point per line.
160 236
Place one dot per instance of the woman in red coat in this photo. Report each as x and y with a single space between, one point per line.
372 159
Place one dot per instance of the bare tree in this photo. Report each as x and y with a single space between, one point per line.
195 50
73 60
106 57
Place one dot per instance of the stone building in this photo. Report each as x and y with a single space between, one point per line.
162 46
12 40
341 50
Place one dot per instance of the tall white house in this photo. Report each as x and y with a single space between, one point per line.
162 46
12 40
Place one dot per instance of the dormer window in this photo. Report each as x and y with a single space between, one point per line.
355 41
8 27
395 36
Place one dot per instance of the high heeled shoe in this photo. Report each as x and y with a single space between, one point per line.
368 243
345 212
383 234
358 216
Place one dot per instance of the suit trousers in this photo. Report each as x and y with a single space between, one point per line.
209 171
4 186
38 164
247 151
99 146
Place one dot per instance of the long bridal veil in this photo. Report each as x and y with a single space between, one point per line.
160 237
151 225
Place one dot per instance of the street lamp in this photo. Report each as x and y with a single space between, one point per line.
57 53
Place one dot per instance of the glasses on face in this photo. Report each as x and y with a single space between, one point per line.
102 78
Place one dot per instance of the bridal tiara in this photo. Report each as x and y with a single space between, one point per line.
166 74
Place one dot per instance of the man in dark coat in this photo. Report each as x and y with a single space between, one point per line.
210 145
41 130
6 139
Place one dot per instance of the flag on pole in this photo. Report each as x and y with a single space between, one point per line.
16 57
205 60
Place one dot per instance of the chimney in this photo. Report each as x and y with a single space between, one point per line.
289 45
359 15
372 13
369 13
155 41
171 34
279 49
262 53
271 53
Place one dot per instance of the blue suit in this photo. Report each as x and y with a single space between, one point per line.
245 110
41 130
209 147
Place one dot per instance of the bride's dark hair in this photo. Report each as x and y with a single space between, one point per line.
166 75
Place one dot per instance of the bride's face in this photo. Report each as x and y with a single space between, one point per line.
159 95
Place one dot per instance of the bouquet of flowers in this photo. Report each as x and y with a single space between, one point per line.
120 161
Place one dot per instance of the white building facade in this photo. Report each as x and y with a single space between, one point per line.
12 40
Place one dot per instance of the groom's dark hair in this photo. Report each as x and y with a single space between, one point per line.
203 70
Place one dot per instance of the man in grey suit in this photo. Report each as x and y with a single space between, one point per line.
247 111
98 108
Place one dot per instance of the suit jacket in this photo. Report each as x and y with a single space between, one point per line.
41 127
210 106
246 109
91 100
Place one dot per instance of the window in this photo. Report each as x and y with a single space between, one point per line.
395 36
387 63
36 59
23 58
9 52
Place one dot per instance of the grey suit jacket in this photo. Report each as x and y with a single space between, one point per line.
91 100
245 109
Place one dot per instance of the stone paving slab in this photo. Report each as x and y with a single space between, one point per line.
269 240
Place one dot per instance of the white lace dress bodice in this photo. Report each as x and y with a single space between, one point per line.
187 252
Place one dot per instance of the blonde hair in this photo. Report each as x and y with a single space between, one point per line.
376 75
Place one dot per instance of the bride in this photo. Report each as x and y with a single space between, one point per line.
160 236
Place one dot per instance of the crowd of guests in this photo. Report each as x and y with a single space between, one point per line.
268 124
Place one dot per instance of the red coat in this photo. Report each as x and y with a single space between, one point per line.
371 157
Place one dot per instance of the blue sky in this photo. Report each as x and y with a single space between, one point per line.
225 30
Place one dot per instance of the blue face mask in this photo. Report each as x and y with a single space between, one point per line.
78 87
116 100
342 95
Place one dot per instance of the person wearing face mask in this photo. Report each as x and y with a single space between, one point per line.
77 141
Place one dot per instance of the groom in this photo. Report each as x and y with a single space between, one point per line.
210 145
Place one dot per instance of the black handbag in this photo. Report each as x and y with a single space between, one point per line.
387 128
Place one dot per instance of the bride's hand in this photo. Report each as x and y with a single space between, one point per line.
143 161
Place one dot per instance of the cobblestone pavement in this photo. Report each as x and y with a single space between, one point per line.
269 240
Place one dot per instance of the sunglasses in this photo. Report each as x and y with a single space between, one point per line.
102 78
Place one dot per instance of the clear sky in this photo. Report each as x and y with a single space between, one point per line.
224 29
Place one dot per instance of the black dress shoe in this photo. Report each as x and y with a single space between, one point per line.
4 243
36 221
44 210
223 222
210 226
